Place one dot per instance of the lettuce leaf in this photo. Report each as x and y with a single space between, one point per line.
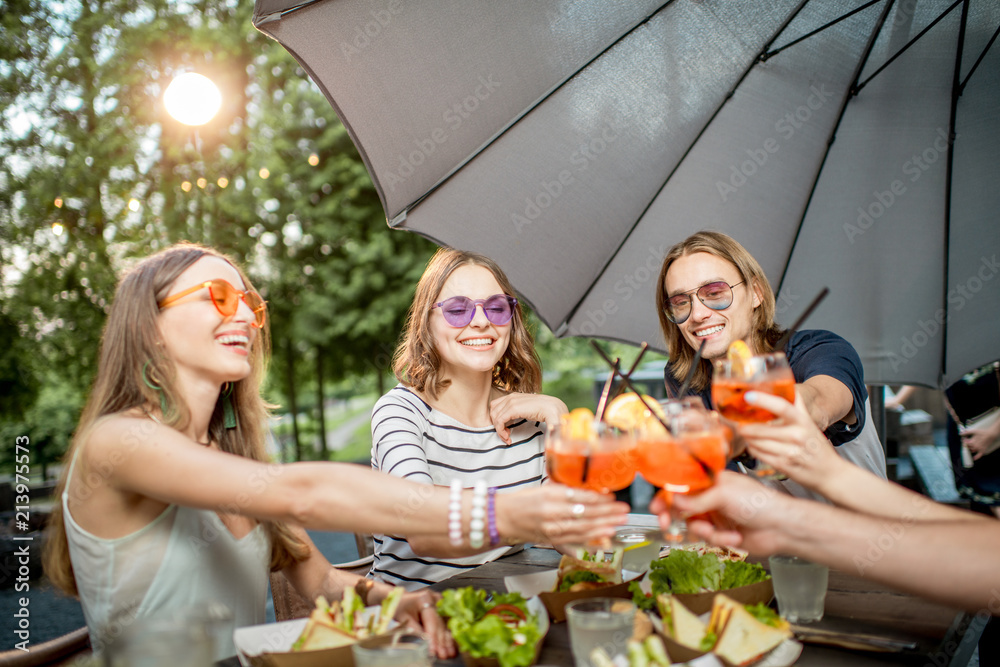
640 598
577 577
683 571
483 636
742 573
764 614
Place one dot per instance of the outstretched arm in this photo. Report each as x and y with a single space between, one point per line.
795 446
914 556
827 400
135 455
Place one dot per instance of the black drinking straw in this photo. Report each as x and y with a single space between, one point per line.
602 404
635 364
628 382
694 367
778 346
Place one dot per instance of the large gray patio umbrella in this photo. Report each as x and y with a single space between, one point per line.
846 143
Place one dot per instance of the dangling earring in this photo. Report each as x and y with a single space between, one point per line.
228 414
157 389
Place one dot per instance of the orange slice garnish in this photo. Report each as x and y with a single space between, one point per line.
578 424
739 356
627 411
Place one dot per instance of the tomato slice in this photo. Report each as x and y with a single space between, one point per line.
508 613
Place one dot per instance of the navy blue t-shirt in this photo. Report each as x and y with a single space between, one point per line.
815 352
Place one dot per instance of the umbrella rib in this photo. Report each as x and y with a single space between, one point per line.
693 143
961 87
910 43
277 16
956 90
818 30
872 38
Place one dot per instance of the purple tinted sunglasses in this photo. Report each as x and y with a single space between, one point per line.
459 311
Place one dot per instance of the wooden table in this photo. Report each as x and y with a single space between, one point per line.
852 605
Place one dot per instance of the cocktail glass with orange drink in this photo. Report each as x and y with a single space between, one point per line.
584 453
684 459
741 372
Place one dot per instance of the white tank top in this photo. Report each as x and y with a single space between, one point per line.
183 559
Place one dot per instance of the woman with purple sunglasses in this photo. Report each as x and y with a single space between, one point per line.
466 411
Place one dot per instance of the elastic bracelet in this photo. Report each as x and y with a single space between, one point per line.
455 514
491 516
478 522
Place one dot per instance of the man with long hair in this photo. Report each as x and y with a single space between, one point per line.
712 291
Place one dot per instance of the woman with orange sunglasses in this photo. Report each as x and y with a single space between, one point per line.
168 503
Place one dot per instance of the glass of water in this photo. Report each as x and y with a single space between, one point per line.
401 649
599 625
800 587
641 545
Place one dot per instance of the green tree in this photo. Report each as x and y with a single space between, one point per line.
93 173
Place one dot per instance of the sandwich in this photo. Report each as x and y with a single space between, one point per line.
324 629
745 633
576 574
341 623
681 625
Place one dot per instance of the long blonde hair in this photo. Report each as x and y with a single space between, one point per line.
131 358
764 332
417 363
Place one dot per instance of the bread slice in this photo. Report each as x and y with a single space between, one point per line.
744 639
320 633
681 624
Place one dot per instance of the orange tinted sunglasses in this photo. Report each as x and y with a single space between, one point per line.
226 299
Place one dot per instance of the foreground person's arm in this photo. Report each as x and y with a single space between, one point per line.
135 455
948 562
793 445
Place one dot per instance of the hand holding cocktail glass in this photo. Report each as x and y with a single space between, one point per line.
792 444
583 453
685 459
739 373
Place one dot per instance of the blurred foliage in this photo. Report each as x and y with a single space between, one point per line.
94 174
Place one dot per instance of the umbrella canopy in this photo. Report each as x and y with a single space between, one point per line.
846 144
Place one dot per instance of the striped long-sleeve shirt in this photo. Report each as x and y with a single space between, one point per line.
412 440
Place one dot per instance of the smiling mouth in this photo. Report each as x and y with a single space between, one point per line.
477 342
709 331
234 341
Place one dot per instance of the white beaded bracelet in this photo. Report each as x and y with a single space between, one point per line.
455 514
477 525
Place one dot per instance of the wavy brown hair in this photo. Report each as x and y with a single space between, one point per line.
130 347
764 332
417 363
